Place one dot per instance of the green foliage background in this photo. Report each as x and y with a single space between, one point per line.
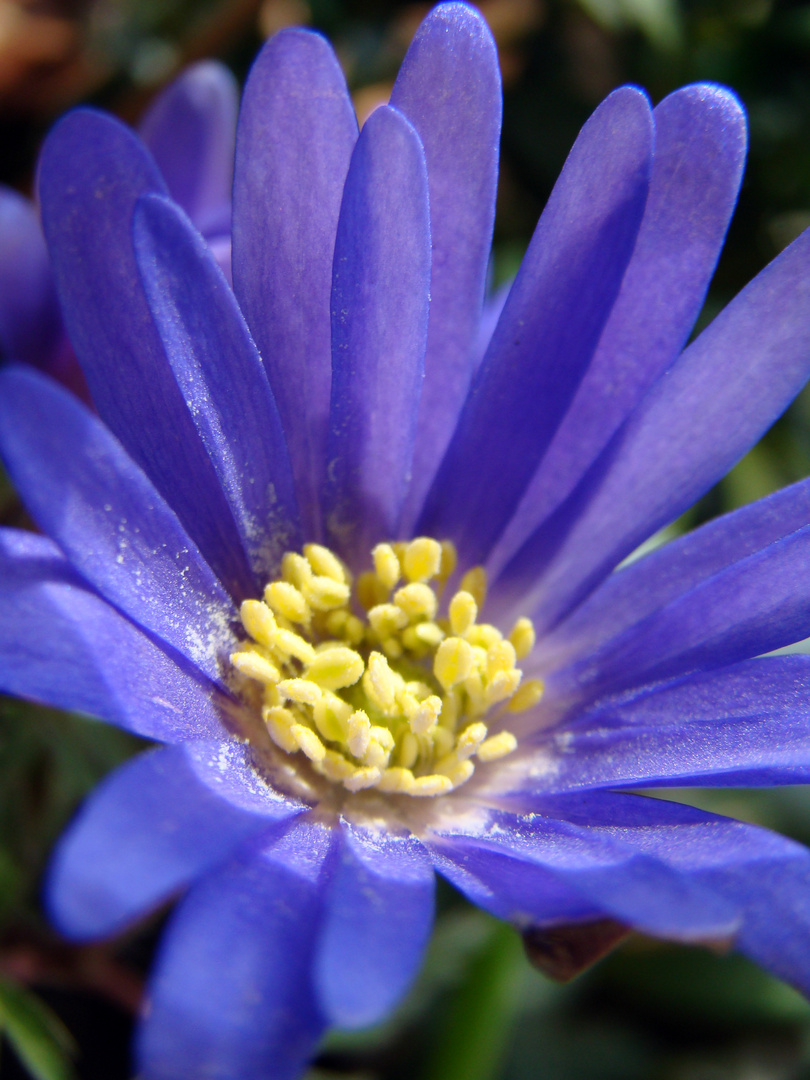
479 1011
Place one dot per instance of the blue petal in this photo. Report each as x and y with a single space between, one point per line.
761 873
743 726
753 606
63 645
30 324
550 326
92 172
380 298
379 911
700 143
515 857
295 137
191 131
650 583
449 87
698 420
83 490
218 369
231 994
154 826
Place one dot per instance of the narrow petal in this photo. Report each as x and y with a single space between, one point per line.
190 129
231 993
379 912
218 368
64 646
380 299
30 324
449 87
700 144
757 604
515 856
83 490
650 583
550 326
696 422
92 172
154 826
761 873
744 726
294 141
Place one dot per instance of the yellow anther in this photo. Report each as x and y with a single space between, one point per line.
417 600
301 691
364 777
459 773
500 657
449 560
396 780
370 590
523 637
378 751
331 716
392 647
483 635
422 559
526 696
258 620
386 566
336 668
502 686
408 750
286 600
497 746
383 736
474 689
379 683
463 612
295 569
386 619
325 563
431 785
475 583
419 690
254 666
443 741
335 622
324 593
355 631
453 661
451 709
309 742
289 644
428 633
359 735
336 767
470 739
279 723
426 715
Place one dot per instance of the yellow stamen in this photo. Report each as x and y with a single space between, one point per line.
395 701
454 659
422 559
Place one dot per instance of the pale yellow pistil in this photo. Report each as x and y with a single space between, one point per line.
397 699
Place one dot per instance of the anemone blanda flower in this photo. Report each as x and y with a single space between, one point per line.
317 436
190 130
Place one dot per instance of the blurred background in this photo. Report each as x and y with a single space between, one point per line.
479 1011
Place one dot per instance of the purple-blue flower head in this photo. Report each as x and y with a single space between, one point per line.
364 588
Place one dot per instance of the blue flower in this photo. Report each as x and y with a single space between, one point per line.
190 130
270 548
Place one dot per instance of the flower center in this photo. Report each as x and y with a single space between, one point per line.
394 698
